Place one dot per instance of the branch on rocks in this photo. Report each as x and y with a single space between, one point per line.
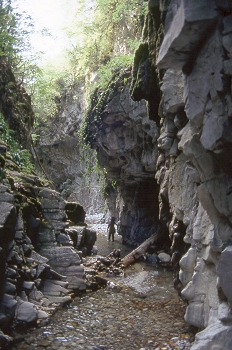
113 265
99 269
136 253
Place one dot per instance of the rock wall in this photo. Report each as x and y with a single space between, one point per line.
39 267
183 69
67 163
170 157
126 142
194 168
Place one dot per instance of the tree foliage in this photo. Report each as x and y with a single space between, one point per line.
112 31
104 35
48 88
15 29
20 156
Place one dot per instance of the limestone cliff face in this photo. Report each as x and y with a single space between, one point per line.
38 263
126 142
63 158
194 168
183 69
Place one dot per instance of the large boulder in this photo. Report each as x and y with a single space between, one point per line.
214 337
26 311
67 263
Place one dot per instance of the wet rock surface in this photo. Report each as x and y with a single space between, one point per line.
140 310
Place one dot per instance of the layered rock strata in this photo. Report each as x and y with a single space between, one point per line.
62 155
39 267
185 145
126 142
194 167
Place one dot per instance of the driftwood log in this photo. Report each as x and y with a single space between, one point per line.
136 253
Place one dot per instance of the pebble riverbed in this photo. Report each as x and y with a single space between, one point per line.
140 310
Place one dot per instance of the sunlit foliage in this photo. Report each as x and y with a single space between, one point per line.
15 29
20 156
104 35
104 31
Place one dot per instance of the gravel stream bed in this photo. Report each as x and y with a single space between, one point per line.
140 310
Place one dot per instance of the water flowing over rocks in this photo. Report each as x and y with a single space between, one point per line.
114 318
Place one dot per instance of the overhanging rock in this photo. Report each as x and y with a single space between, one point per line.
187 22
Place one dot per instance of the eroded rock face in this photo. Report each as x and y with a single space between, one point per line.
126 143
23 272
38 263
194 167
64 159
189 157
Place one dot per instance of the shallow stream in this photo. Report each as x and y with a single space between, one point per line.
140 310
